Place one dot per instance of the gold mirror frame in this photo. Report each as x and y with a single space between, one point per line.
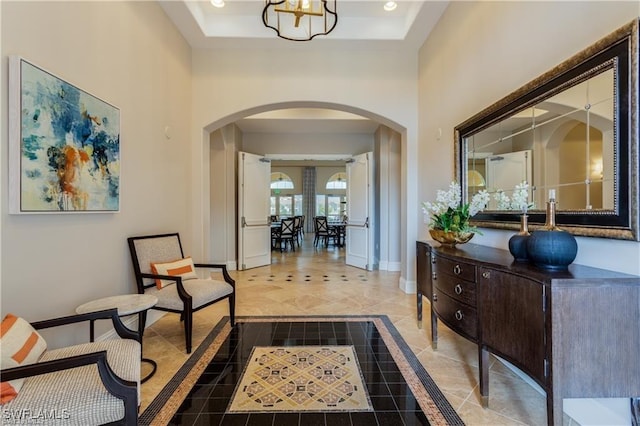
621 222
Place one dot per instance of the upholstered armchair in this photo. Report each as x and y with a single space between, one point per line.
161 269
87 384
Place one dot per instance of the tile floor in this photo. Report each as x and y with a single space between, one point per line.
316 281
390 396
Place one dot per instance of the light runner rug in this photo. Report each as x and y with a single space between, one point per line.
301 378
430 398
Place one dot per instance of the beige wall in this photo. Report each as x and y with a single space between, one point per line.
388 160
480 52
131 55
224 146
230 84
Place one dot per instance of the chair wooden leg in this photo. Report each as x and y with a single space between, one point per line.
232 309
188 320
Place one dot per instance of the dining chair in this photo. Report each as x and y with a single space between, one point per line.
322 231
297 228
286 234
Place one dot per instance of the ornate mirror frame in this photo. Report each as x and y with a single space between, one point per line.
620 222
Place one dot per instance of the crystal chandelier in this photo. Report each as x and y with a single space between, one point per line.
300 20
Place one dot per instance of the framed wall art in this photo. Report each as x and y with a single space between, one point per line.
64 145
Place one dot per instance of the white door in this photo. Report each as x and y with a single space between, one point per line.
360 236
505 171
254 226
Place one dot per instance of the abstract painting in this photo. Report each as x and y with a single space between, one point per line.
65 145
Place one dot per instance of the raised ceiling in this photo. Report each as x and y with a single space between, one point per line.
362 24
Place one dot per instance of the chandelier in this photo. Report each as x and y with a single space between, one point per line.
300 20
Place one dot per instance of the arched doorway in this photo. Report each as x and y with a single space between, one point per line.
221 140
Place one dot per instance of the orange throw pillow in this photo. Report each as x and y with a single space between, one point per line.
182 267
21 345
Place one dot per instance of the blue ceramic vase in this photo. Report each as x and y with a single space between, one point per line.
550 247
518 242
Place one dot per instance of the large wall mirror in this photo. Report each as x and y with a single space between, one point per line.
573 130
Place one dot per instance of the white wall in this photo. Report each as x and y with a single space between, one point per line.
481 51
305 143
131 55
231 84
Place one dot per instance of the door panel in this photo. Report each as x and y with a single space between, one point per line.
360 238
254 232
505 171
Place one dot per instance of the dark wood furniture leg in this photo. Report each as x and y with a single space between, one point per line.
483 364
434 330
419 305
142 320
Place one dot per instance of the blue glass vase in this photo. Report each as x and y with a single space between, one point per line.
518 242
550 247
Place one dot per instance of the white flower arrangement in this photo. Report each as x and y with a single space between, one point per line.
519 199
449 215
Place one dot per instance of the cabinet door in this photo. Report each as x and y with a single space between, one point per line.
423 273
511 316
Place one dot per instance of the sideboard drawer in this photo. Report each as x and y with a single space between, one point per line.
461 318
457 288
465 271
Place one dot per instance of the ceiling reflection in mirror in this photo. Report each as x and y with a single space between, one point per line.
572 131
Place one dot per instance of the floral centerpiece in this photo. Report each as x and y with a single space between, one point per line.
519 199
449 218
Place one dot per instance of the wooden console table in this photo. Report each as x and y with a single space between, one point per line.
576 332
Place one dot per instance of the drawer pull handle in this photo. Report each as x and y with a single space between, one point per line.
459 315
434 275
435 297
486 275
458 289
457 270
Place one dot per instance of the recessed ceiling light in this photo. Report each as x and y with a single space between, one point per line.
390 5
217 3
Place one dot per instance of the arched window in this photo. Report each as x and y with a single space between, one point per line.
281 181
337 181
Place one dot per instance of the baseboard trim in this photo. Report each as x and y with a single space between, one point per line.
409 287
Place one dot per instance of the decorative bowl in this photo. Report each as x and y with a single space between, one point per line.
448 238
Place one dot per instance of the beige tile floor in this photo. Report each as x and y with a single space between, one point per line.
317 281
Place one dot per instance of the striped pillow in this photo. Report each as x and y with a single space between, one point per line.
181 267
21 345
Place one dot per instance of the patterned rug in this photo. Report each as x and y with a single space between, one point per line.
431 402
301 378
